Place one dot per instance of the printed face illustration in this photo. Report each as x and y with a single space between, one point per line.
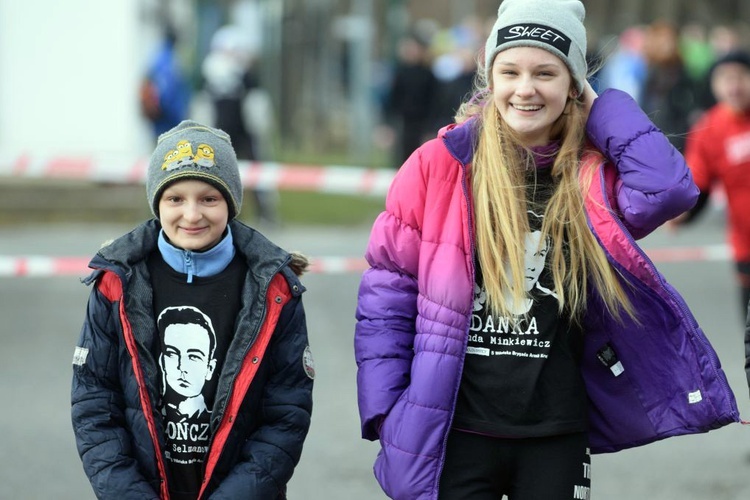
205 151
535 256
187 361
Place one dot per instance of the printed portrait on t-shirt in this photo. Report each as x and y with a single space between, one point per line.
187 362
527 330
535 258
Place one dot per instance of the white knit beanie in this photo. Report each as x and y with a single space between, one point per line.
552 25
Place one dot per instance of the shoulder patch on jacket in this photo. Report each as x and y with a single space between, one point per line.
80 355
308 364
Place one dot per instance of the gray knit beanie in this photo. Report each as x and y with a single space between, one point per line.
194 151
553 25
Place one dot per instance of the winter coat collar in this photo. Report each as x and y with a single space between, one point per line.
201 264
263 258
461 139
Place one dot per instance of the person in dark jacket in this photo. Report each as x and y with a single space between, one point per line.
669 96
193 376
411 96
230 75
165 90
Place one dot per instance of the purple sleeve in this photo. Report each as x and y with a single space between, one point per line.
384 344
387 302
386 315
654 183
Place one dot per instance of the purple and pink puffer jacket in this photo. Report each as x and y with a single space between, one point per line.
415 304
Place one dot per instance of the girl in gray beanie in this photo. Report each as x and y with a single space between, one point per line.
192 377
510 325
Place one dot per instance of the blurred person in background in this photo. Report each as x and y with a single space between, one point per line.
669 94
625 69
411 95
698 55
455 67
453 88
506 295
165 92
230 78
718 153
724 39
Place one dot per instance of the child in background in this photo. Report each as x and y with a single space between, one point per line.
718 153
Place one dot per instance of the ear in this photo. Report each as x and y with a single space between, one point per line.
568 105
211 368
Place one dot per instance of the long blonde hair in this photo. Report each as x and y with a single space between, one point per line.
499 183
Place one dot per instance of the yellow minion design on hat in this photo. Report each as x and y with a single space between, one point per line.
177 157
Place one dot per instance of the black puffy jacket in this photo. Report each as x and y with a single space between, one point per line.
263 402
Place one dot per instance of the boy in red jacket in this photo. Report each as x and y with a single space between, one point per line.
718 153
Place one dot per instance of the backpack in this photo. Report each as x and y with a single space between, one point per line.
148 95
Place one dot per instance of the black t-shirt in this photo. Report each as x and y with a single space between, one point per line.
521 375
196 324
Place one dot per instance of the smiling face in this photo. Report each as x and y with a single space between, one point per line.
193 214
530 88
730 83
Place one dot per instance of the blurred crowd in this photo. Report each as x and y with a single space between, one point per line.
229 79
663 66
666 68
432 73
429 72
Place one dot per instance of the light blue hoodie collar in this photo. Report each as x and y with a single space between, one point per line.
201 264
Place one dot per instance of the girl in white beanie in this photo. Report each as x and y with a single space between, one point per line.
510 324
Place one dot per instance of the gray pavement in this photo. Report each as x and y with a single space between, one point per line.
42 318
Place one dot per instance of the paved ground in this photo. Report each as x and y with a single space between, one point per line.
42 317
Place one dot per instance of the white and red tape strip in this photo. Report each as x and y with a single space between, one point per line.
46 266
39 266
332 179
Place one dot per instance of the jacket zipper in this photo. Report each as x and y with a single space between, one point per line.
684 310
469 213
189 265
253 338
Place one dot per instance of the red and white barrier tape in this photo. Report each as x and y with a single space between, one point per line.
261 175
37 266
705 253
41 266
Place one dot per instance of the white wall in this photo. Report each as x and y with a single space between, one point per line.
69 72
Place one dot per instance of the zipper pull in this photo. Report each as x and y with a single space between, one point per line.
189 265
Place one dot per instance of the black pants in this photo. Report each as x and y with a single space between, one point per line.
743 277
485 468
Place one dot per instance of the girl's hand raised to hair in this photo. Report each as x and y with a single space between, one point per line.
588 97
